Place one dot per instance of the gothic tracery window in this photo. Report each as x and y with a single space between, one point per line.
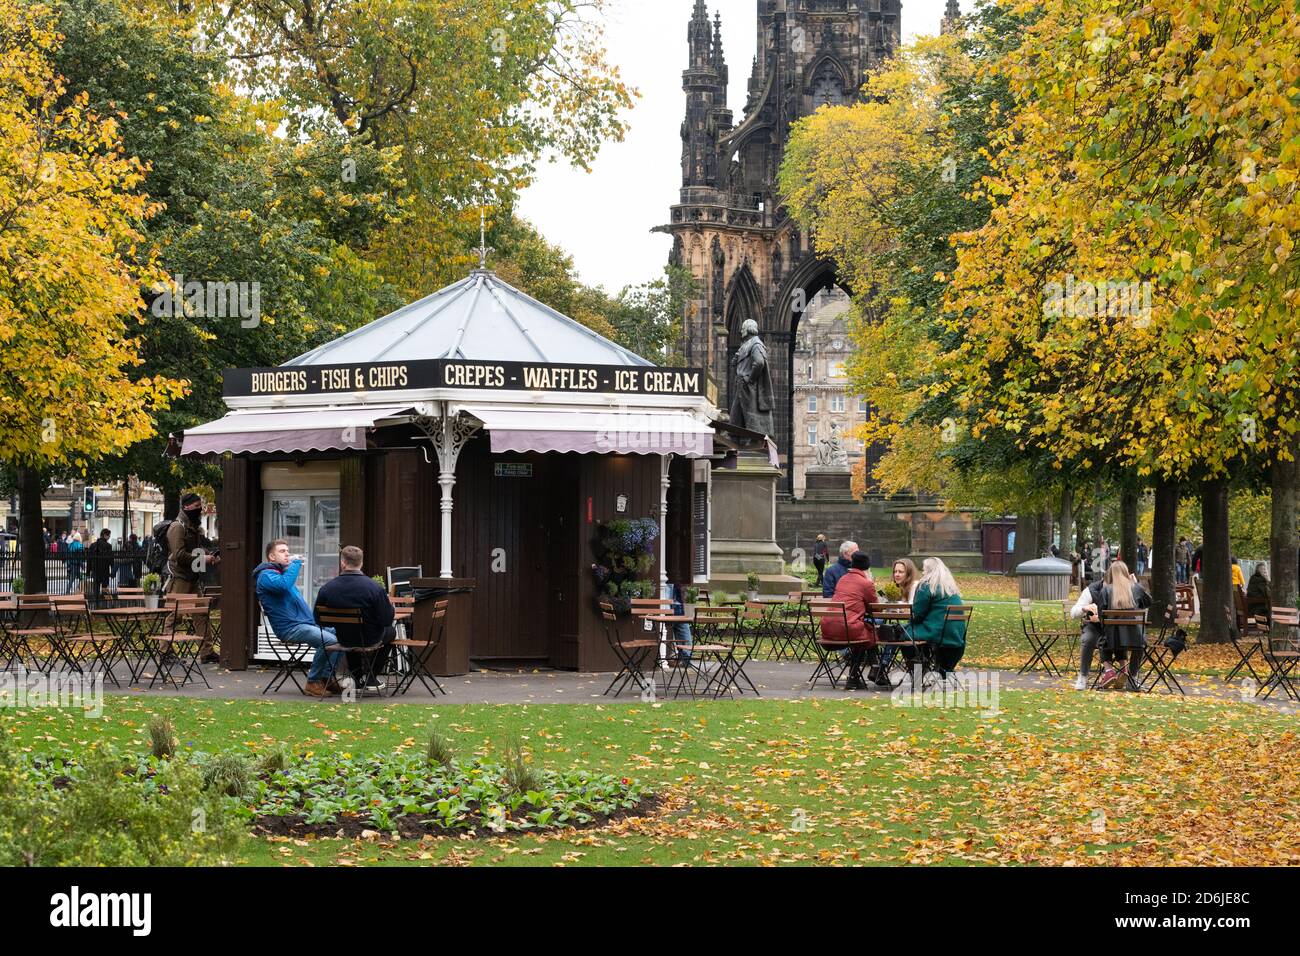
827 89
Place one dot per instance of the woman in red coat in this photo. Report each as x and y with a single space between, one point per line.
857 590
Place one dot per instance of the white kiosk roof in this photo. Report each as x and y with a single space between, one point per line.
479 317
536 380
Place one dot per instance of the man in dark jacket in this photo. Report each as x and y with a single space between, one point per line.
101 564
821 552
836 570
353 589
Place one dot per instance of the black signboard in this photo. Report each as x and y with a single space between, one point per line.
452 373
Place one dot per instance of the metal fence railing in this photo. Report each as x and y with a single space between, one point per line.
74 572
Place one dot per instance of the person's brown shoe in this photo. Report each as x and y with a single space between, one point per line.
317 688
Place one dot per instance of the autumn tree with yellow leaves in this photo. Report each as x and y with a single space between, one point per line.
71 271
1132 298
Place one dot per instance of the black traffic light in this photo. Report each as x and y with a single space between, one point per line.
88 502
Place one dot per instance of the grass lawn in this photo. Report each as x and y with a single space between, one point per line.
796 782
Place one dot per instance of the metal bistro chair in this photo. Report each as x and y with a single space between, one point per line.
289 657
715 634
631 654
26 635
1249 640
1041 641
831 664
347 623
643 608
417 653
952 614
1161 652
1115 618
76 641
1282 654
179 640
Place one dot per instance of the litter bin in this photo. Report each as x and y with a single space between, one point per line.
452 656
1044 579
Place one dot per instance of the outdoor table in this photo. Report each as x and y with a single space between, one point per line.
133 627
729 669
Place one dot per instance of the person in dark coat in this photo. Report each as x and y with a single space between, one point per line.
1259 601
821 554
1087 609
100 556
856 590
836 570
352 588
1122 592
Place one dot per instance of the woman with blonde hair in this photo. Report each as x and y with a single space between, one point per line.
1121 592
935 593
906 578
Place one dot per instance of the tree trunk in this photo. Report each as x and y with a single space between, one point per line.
1026 539
171 504
1096 515
31 542
1218 613
1163 539
1045 532
1065 519
1128 527
1283 539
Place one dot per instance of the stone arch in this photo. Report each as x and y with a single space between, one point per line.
809 276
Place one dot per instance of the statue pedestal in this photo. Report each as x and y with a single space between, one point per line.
828 484
744 527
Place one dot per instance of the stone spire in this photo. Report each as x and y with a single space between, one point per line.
951 17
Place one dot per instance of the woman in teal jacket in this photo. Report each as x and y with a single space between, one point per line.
935 593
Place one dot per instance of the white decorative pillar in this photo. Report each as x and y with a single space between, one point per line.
448 435
665 461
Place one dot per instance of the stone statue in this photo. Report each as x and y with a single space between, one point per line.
830 451
751 405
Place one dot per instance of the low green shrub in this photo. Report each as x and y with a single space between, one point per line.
110 809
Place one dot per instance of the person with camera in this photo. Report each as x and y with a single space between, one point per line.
1086 609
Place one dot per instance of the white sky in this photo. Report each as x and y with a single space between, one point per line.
603 218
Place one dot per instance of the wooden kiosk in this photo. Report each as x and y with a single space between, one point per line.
477 435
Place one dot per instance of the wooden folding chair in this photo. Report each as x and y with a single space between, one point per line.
1161 652
349 631
178 642
831 663
1041 641
27 632
643 608
715 634
1114 618
631 654
418 654
1282 654
1248 641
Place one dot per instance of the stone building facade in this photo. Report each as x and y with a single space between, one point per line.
729 227
823 400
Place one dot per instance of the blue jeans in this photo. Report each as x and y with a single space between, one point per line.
682 636
317 637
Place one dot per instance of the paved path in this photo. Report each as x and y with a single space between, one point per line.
783 680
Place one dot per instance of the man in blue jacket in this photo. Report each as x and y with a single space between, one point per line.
836 570
353 589
290 617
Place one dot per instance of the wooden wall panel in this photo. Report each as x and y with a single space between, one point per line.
239 501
